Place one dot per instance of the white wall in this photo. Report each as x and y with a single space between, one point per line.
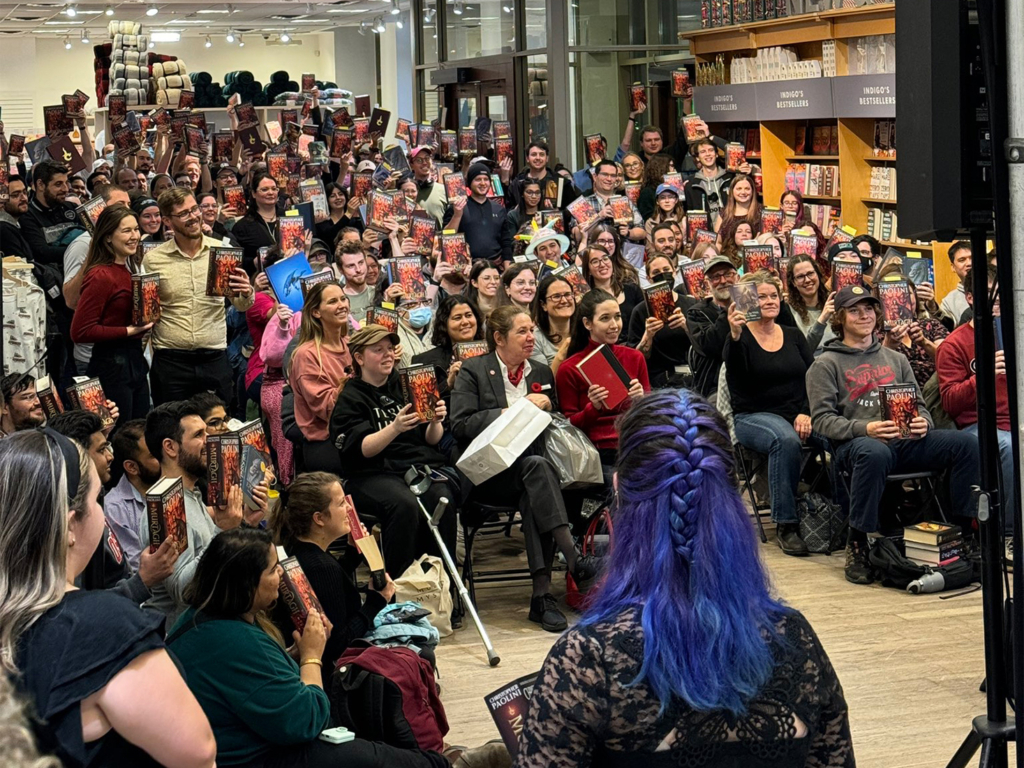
396 75
41 70
355 61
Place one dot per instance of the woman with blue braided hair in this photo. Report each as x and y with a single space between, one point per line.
684 657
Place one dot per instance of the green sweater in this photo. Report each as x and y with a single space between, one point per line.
248 687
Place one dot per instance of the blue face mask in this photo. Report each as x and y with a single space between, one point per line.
420 317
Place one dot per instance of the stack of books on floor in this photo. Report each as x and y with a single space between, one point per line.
934 544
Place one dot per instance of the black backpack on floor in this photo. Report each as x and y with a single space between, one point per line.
897 571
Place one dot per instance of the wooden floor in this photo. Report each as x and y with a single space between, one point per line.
910 665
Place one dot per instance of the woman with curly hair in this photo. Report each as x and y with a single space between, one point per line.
458 320
731 237
684 649
810 301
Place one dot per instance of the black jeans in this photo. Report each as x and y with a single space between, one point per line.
405 533
121 369
179 374
354 754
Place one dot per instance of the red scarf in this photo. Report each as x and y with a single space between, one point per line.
516 376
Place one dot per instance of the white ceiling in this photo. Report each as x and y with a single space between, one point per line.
189 18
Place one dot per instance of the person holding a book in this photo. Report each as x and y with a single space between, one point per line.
537 155
385 422
267 706
484 286
190 338
669 207
104 316
958 386
486 387
313 517
480 219
664 345
74 259
654 177
605 270
843 388
733 234
320 368
78 655
684 645
258 228
919 339
606 179
430 195
343 213
589 405
554 309
21 408
125 504
458 321
765 367
810 300
519 285
51 223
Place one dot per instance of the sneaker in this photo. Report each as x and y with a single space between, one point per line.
788 537
858 569
544 611
586 569
1008 553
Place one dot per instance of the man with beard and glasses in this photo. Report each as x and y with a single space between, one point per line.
176 437
21 408
125 503
12 240
190 339
50 223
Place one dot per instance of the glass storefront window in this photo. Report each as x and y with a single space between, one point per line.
608 22
537 98
429 53
480 28
598 84
430 97
536 24
675 18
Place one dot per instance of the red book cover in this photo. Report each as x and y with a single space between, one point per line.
704 236
449 144
308 82
695 221
291 233
735 156
291 186
800 143
125 141
223 466
89 211
552 218
195 141
16 145
223 262
583 211
246 115
408 272
692 128
757 257
306 282
361 129
48 397
117 109
692 273
187 99
341 143
455 251
165 505
380 206
622 209
72 104
362 183
508 706
402 130
503 150
386 318
899 405
419 388
467 141
56 121
145 298
771 220
454 186
423 230
223 144
297 593
846 273
637 97
88 396
340 118
804 245
660 301
595 145
502 129
601 367
897 302
234 196
632 191
681 83
464 350
675 180
277 167
572 275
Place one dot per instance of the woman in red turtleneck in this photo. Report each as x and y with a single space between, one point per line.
598 321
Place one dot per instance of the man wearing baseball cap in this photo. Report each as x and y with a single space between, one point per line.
480 219
429 194
843 387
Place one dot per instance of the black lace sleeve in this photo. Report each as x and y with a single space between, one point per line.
569 705
831 745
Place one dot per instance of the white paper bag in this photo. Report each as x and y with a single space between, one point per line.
496 448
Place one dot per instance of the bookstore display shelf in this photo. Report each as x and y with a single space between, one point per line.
908 246
826 198
878 200
878 159
753 155
802 158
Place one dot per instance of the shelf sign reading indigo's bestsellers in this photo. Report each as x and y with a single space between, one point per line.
726 103
864 95
805 99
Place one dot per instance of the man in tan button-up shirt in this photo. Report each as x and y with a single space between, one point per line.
190 339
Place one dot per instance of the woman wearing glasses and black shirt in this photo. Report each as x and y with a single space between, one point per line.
664 345
258 228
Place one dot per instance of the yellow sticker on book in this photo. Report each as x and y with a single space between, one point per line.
448 232
292 212
849 230
387 305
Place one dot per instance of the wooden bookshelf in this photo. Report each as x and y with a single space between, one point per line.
877 201
812 158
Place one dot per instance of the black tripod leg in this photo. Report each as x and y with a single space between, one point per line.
966 752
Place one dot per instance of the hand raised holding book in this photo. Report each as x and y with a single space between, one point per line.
239 284
636 389
229 516
313 640
884 430
677 319
154 567
135 330
406 419
440 411
115 414
737 320
261 498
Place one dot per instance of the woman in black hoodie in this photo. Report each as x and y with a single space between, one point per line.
380 437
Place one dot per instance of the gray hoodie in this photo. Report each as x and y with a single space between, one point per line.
842 388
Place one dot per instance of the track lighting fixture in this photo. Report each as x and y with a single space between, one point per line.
71 10
108 11
230 37
457 8
67 44
152 11
209 44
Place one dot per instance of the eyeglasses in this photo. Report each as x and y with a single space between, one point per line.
107 448
723 276
806 277
183 215
609 175
558 298
600 261
632 165
606 241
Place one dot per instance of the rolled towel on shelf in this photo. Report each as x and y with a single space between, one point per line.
157 70
131 71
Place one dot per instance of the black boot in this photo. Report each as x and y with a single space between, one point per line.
788 537
858 569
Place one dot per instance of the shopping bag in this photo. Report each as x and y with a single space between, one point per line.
574 456
427 583
506 439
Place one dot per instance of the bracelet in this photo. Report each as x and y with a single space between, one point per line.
304 662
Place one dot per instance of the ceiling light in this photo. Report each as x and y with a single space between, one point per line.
67 44
395 10
362 28
457 8
380 25
241 42
152 44
507 8
208 43
229 37
399 23
165 37
285 37
109 11
152 11
429 15
85 36
71 11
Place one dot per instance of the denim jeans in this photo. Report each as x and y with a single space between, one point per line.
871 461
1007 477
773 436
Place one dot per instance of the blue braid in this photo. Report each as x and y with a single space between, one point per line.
686 491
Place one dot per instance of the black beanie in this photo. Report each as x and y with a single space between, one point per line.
477 169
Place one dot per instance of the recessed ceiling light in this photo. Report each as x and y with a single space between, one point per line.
213 10
285 37
152 10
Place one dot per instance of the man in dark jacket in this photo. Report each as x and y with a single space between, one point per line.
708 188
480 219
50 223
537 170
12 240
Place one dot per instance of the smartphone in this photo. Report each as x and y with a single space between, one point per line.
337 735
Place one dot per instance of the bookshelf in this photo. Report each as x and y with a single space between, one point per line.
848 101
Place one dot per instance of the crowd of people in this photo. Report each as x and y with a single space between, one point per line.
543 292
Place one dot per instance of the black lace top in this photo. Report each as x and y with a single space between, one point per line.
584 712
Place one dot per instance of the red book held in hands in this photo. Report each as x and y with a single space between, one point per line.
297 593
601 367
165 505
419 387
223 262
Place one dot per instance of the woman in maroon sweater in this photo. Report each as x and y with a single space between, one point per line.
103 316
598 321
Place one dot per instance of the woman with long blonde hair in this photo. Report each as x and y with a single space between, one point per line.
319 369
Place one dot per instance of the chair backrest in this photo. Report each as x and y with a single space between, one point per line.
724 404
